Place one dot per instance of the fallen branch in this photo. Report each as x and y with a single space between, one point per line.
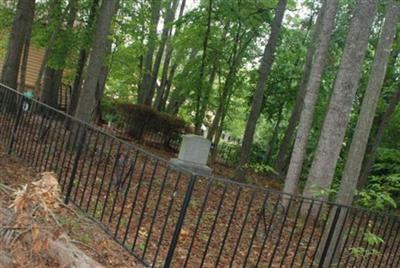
25 223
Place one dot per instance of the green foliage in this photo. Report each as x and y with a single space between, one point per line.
262 168
383 187
380 193
372 240
6 15
387 162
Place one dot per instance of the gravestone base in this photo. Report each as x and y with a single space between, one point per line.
196 169
193 155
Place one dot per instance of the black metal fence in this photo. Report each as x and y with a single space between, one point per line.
167 217
149 137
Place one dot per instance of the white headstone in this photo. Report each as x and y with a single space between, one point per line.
193 155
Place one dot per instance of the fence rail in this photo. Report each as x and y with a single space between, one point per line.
168 217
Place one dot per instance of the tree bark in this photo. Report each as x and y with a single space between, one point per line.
83 55
53 75
145 85
234 63
327 14
370 101
58 20
168 86
337 116
274 138
178 95
100 90
377 139
264 72
24 63
294 119
198 118
159 102
87 102
169 18
22 22
360 137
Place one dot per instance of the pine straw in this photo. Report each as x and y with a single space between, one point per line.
37 209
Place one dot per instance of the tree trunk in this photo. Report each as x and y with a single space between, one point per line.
145 85
178 96
264 71
100 89
361 134
22 22
287 140
58 20
220 128
51 86
198 118
207 93
327 14
168 86
230 79
53 75
377 139
87 102
159 103
364 124
83 55
169 18
337 116
24 63
274 138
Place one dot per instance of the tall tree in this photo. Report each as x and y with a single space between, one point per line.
53 73
167 71
294 119
179 95
199 113
327 15
234 62
82 59
340 104
22 22
275 133
86 107
264 71
55 20
359 141
145 85
360 137
168 20
25 57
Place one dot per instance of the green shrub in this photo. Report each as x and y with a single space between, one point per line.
382 191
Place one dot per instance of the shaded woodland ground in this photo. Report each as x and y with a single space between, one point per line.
88 236
137 199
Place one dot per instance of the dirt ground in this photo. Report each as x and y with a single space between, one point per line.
83 232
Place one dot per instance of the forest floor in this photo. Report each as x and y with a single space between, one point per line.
82 232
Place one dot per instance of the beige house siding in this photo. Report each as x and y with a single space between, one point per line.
35 59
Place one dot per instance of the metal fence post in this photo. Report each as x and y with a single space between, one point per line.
328 243
15 128
179 223
80 138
